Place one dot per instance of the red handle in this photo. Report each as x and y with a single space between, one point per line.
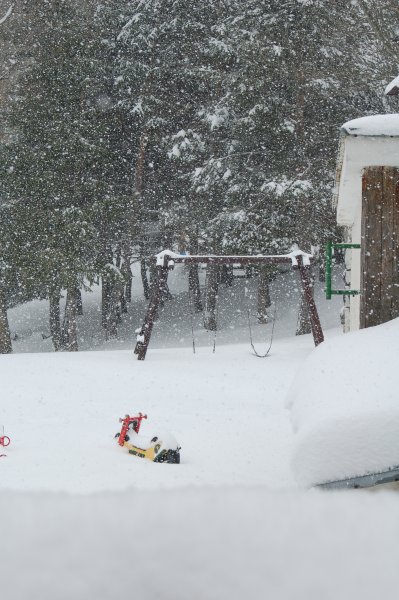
5 441
125 426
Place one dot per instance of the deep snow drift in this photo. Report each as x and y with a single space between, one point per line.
345 407
227 543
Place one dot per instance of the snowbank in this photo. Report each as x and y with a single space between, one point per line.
345 407
199 543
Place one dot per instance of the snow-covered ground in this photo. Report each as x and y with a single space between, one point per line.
221 543
225 410
80 518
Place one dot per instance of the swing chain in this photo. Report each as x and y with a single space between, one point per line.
271 338
191 303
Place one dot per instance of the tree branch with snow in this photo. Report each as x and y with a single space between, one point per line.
8 13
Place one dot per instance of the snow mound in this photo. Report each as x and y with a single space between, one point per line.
345 407
213 543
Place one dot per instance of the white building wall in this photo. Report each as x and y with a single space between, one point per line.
359 152
354 302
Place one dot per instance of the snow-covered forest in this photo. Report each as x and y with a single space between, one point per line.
130 127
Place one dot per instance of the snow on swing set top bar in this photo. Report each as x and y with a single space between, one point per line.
172 257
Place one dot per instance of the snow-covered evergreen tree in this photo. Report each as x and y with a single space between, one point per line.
140 125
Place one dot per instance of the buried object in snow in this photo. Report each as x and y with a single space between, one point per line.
157 449
363 481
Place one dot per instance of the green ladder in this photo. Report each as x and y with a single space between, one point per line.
329 253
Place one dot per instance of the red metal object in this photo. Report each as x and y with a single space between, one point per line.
126 421
4 441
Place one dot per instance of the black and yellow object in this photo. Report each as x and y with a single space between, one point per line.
158 449
156 452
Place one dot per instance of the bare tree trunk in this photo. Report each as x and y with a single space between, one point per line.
140 163
211 297
138 192
5 336
105 300
111 310
227 275
107 290
263 295
71 324
124 266
194 287
55 321
111 330
144 279
153 278
110 299
123 300
129 282
79 305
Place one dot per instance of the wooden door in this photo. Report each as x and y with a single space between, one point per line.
379 246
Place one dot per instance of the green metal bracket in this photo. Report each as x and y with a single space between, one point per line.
329 253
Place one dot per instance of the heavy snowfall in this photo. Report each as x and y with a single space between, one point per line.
131 128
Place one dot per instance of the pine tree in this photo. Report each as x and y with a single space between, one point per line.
69 161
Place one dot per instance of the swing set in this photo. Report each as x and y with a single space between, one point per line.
166 260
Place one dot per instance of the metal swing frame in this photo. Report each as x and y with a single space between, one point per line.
167 259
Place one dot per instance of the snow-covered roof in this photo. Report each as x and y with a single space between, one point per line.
375 125
392 88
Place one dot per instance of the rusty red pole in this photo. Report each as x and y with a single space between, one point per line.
144 334
317 330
